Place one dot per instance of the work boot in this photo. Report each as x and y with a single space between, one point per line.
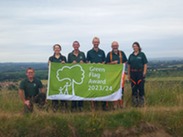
134 101
141 101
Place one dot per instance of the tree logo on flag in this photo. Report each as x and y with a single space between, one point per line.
63 74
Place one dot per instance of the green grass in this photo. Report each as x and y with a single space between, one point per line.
163 108
165 79
164 93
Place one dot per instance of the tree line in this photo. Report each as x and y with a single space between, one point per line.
16 71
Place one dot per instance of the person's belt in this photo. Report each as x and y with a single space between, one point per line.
136 70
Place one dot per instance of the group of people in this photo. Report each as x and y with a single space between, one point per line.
31 89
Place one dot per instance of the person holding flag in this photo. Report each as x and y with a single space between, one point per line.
96 55
116 56
76 56
58 58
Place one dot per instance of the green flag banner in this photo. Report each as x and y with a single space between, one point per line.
102 82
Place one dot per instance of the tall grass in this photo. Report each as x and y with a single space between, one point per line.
163 108
10 101
161 93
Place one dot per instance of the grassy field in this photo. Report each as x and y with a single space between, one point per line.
162 116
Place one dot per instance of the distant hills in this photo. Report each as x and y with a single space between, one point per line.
150 59
21 66
166 59
14 71
9 67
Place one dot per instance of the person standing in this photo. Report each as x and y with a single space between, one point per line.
76 56
31 91
96 55
58 58
116 57
137 69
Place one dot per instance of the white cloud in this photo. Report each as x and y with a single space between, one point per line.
37 25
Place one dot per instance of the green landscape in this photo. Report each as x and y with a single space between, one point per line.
162 115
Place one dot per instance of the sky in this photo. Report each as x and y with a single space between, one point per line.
29 29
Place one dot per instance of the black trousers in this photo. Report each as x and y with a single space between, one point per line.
137 83
55 104
77 104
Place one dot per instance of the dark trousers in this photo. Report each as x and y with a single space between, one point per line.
77 104
55 104
38 99
95 105
137 83
104 105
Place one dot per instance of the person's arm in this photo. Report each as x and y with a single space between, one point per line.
21 94
84 58
69 58
49 62
124 57
145 70
74 62
108 61
88 58
145 65
42 90
114 62
22 97
129 67
104 59
64 60
124 60
41 87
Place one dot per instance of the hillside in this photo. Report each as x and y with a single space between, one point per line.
162 115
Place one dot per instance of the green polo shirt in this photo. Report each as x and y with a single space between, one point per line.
96 57
137 61
31 88
116 57
80 57
58 60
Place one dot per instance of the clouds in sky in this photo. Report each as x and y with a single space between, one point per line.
29 29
